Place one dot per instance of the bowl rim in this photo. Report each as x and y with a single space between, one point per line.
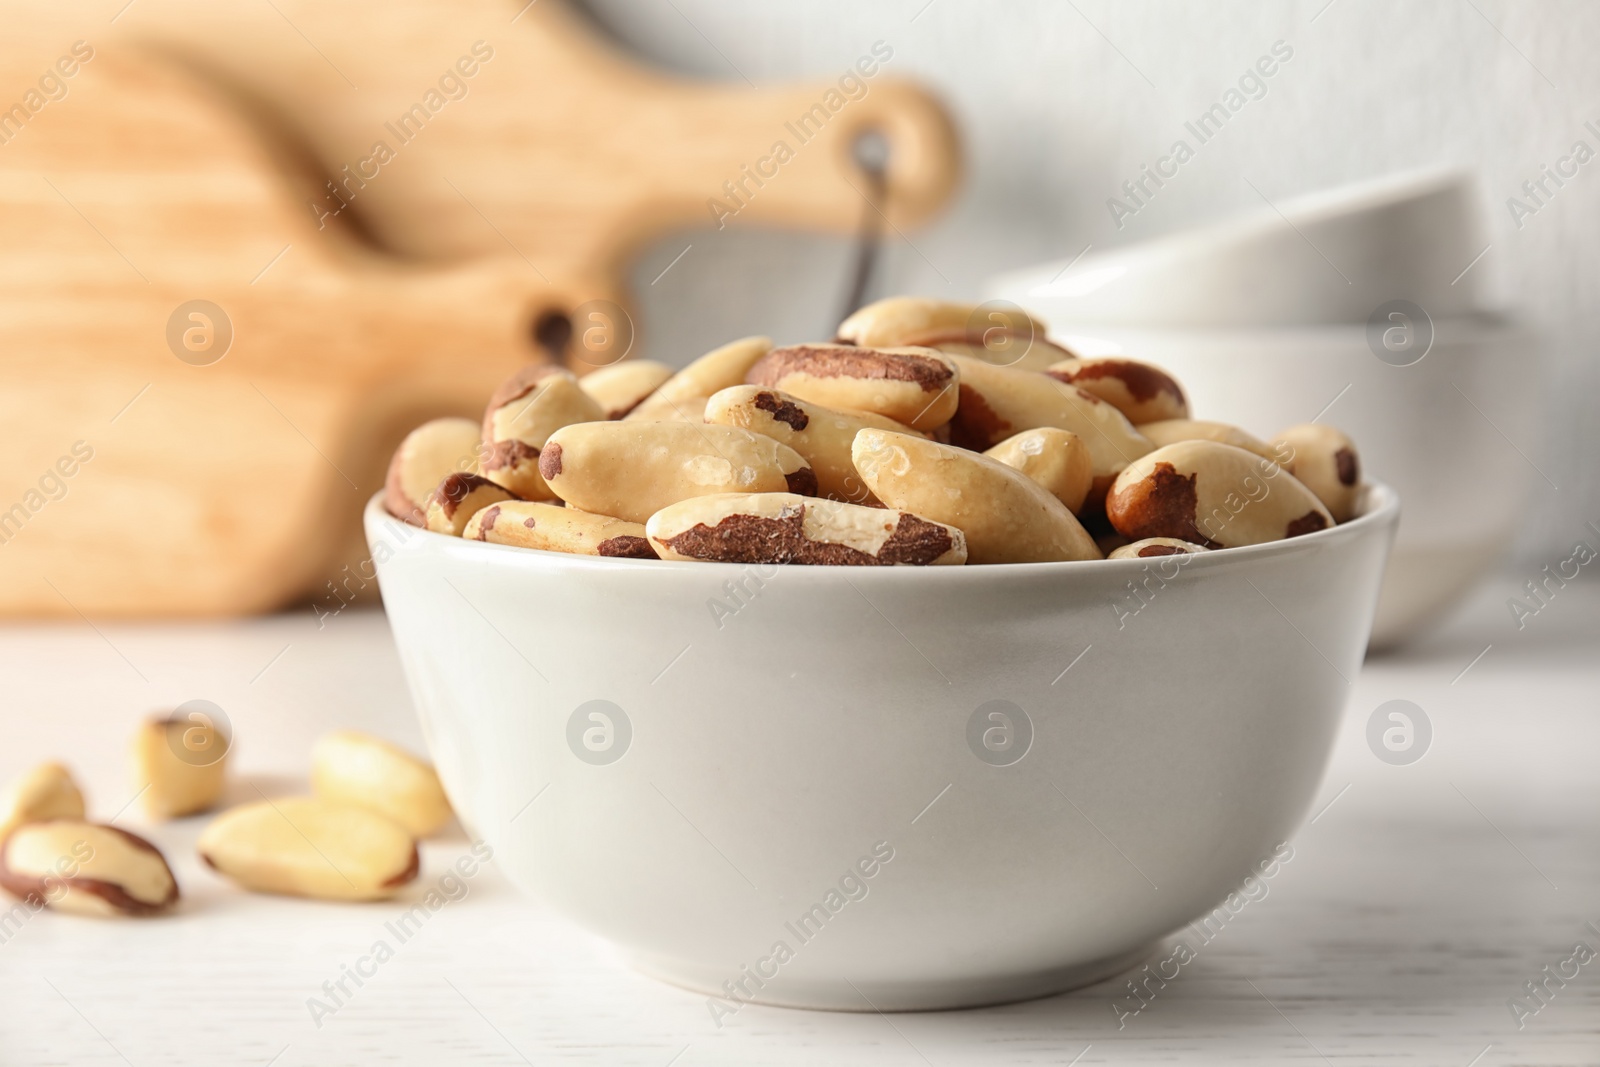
1476 328
1380 510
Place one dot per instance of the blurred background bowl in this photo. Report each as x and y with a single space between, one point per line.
1350 307
1439 430
689 784
1325 257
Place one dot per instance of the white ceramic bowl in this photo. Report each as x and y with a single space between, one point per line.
1448 432
827 721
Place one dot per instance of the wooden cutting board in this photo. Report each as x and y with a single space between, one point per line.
559 145
163 176
139 482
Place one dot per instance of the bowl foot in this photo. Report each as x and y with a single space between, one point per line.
847 994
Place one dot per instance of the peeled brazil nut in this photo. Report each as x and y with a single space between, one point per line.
788 528
821 435
428 455
521 415
179 766
682 397
1057 459
1214 495
997 346
86 868
45 792
1155 546
309 847
619 388
631 470
355 768
1326 462
997 402
1141 391
530 524
665 409
458 498
904 320
1007 516
913 386
1172 431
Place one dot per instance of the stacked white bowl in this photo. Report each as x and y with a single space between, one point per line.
1362 307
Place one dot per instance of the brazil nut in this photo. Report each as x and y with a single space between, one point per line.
631 470
619 388
45 792
458 498
1326 461
179 766
355 768
1007 516
86 868
910 320
1057 459
1141 391
997 346
1155 546
912 386
552 528
821 435
310 847
428 455
682 397
1213 495
522 414
997 402
788 528
1172 431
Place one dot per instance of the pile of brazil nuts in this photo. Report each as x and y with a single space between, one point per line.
925 432
354 838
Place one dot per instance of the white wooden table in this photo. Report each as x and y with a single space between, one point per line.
1419 899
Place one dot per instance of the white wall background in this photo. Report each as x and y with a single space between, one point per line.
1059 102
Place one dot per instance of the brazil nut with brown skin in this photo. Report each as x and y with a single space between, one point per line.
458 498
522 414
822 435
1007 516
86 868
1213 495
1325 459
631 470
428 454
552 528
912 386
787 528
997 402
1141 391
1155 546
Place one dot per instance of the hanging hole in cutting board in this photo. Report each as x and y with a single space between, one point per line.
551 333
596 333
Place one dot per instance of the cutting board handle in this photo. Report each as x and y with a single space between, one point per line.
781 157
